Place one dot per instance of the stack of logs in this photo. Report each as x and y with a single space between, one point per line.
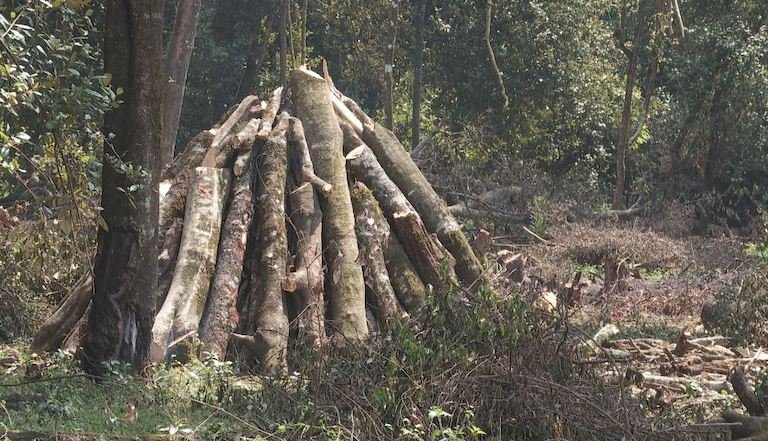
296 216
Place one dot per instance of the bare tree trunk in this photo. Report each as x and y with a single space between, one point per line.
221 312
626 117
125 272
389 62
494 67
313 106
418 66
179 54
268 319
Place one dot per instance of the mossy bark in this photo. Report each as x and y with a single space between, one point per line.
268 321
313 106
182 310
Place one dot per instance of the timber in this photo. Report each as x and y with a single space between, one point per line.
61 323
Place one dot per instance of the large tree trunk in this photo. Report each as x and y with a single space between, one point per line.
268 319
403 171
125 272
307 219
418 66
221 317
179 54
180 315
313 106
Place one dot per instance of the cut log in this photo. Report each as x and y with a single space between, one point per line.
426 256
267 317
76 337
313 106
409 288
371 238
180 314
64 320
175 183
221 315
745 392
270 112
307 219
166 260
406 174
236 144
249 107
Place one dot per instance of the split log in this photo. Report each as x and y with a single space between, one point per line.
406 174
166 260
64 320
270 112
313 106
267 319
371 238
425 254
307 219
180 314
221 311
403 275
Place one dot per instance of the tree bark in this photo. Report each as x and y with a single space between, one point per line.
56 328
307 219
179 54
313 106
180 315
418 66
166 260
420 247
389 64
221 311
372 237
125 272
268 319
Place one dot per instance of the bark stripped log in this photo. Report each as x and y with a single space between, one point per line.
371 238
56 328
425 254
307 278
313 106
268 320
221 317
405 173
182 310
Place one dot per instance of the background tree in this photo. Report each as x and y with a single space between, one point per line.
125 273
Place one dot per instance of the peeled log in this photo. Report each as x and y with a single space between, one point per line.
425 254
64 320
180 314
221 312
371 238
267 314
313 106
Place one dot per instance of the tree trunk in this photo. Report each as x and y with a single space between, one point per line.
285 4
312 103
56 328
426 256
258 52
221 311
403 171
125 272
418 66
372 238
179 54
497 75
389 62
268 319
180 315
307 219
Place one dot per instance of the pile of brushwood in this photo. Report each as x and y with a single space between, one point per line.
293 217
